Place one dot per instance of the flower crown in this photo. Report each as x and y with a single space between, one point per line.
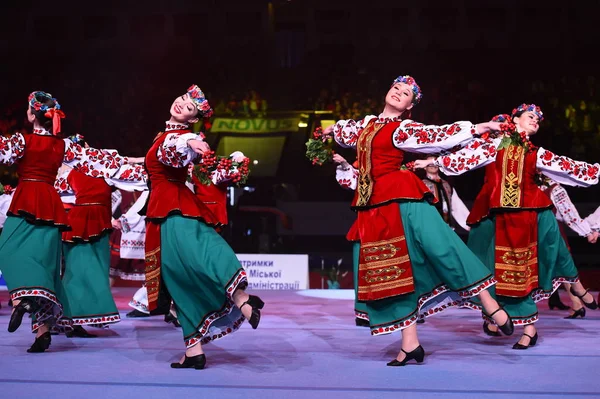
409 80
77 139
38 106
529 108
200 100
501 118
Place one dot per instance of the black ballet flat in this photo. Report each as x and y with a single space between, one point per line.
25 306
577 313
590 305
418 354
532 342
195 362
555 302
256 304
79 332
170 318
137 313
507 328
361 322
487 331
41 343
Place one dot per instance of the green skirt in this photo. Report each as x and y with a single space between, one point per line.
31 260
360 308
87 284
201 273
445 272
555 265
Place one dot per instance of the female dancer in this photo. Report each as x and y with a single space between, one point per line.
185 256
86 249
30 246
411 263
520 240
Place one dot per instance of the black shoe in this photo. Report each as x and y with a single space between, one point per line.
361 322
25 306
590 305
137 313
195 362
41 343
577 313
555 302
507 328
486 329
80 332
170 318
256 304
532 342
418 354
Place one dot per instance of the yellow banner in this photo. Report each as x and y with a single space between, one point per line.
254 125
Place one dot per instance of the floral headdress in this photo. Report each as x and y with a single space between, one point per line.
200 100
53 113
501 118
77 139
409 80
529 108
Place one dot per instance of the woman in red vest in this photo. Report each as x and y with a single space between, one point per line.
411 263
30 244
520 240
185 257
86 248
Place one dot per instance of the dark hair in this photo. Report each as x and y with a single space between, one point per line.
41 115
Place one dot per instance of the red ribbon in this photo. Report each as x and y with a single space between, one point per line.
56 115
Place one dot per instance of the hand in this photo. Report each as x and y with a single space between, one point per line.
116 224
135 160
421 163
487 126
592 237
198 146
337 158
238 157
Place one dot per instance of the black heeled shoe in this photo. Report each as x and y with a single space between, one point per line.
256 304
590 305
361 322
79 332
507 328
137 313
532 342
25 306
195 362
487 331
418 354
555 302
170 318
577 313
41 343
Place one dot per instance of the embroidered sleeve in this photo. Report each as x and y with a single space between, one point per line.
62 186
115 198
11 148
130 178
175 152
566 211
459 211
347 177
132 218
567 171
478 153
345 132
594 219
91 161
416 137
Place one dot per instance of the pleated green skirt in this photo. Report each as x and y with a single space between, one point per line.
201 272
31 260
360 308
555 265
446 273
87 283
